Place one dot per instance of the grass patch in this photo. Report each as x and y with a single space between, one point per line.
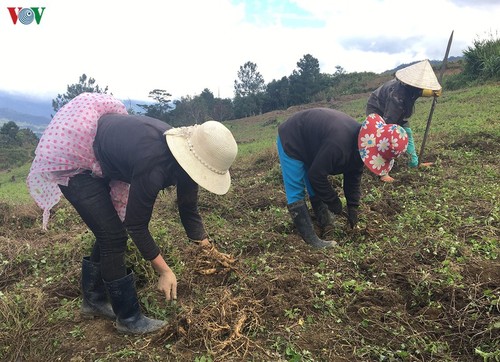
13 189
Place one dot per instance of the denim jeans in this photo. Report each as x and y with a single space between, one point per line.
90 197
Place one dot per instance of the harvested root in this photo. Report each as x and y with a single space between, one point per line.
211 251
212 261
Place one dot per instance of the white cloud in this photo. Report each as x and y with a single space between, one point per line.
189 45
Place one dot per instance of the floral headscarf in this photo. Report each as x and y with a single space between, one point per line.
380 143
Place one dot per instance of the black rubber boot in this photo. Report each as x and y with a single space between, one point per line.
129 318
302 221
95 301
324 216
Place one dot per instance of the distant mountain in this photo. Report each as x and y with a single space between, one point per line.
36 113
22 107
25 111
36 123
434 64
20 117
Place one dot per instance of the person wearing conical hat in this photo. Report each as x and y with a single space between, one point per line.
395 100
111 166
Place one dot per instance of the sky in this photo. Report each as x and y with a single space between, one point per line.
186 46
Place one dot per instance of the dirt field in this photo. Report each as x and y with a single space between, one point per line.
418 280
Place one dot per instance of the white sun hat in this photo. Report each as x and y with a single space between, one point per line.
419 75
205 152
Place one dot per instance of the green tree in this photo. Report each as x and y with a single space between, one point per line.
305 81
27 137
208 101
84 85
12 135
200 108
249 91
10 130
223 109
277 95
245 106
160 109
188 111
17 145
249 82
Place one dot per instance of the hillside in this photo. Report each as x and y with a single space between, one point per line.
418 280
23 118
35 113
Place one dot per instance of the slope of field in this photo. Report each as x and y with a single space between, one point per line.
418 280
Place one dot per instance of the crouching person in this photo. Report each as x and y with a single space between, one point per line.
315 143
111 167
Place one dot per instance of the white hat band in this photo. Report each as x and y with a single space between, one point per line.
211 168
205 152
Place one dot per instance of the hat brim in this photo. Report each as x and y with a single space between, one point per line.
368 141
384 170
419 75
214 182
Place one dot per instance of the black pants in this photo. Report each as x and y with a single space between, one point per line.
90 197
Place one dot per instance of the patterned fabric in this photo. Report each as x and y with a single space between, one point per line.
65 149
380 143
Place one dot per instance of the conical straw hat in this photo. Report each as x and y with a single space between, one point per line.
419 75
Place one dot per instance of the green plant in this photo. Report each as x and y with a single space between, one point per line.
77 333
203 359
292 313
488 356
482 60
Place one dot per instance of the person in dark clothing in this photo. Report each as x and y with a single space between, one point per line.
111 166
315 143
395 101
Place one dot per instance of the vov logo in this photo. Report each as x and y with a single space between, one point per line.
26 15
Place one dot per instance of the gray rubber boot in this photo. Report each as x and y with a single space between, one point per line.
302 221
324 216
95 301
129 318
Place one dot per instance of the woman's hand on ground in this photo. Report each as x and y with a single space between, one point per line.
426 164
386 178
167 284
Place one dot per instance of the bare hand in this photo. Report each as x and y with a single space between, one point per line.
426 164
386 178
204 242
167 284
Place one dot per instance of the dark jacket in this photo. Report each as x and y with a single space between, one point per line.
326 141
394 101
133 149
